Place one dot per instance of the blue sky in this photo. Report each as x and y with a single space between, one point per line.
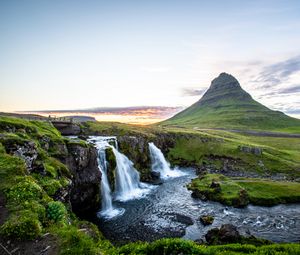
84 54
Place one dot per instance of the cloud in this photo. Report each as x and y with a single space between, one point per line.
192 91
293 111
283 92
278 73
290 90
141 111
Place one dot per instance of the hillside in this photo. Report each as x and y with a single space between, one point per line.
226 105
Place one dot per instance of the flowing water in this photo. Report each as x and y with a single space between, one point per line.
168 210
127 183
160 165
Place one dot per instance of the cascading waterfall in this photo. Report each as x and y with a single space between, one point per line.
107 209
128 185
127 181
159 164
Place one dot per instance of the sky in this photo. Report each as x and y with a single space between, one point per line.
60 55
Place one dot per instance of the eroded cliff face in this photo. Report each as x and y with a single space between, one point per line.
86 178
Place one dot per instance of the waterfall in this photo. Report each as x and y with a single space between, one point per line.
159 164
128 185
127 178
107 209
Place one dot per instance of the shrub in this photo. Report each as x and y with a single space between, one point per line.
56 211
23 225
26 189
74 242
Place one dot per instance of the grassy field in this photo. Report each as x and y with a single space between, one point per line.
242 191
213 147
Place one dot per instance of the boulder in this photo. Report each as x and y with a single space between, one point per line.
226 234
155 175
206 219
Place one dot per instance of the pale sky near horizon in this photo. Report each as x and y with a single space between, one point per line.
58 55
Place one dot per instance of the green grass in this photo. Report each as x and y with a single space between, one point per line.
116 128
258 191
179 246
214 147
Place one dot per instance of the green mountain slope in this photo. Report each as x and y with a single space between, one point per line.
226 105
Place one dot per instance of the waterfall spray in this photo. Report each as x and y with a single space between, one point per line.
160 164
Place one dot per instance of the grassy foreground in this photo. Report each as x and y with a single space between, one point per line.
242 191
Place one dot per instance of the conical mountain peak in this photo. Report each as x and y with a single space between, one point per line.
224 87
225 80
226 105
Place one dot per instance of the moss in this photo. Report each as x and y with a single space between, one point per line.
207 219
26 189
111 167
77 142
73 242
50 185
2 149
239 192
10 167
22 225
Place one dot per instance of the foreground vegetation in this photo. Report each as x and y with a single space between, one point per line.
242 191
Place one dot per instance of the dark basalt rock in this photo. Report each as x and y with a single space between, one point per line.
67 128
85 190
155 175
226 234
26 150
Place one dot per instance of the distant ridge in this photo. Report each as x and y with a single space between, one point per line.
226 105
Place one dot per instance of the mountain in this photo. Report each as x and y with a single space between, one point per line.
226 105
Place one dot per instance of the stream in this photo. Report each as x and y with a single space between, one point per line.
170 211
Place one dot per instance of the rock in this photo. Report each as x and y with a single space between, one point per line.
212 236
226 234
206 219
229 233
155 175
253 150
216 186
67 128
26 151
243 199
85 189
184 219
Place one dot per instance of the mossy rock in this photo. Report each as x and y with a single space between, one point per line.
111 167
23 225
206 219
26 189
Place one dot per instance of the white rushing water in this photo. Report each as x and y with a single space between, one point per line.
107 209
128 185
160 164
127 181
